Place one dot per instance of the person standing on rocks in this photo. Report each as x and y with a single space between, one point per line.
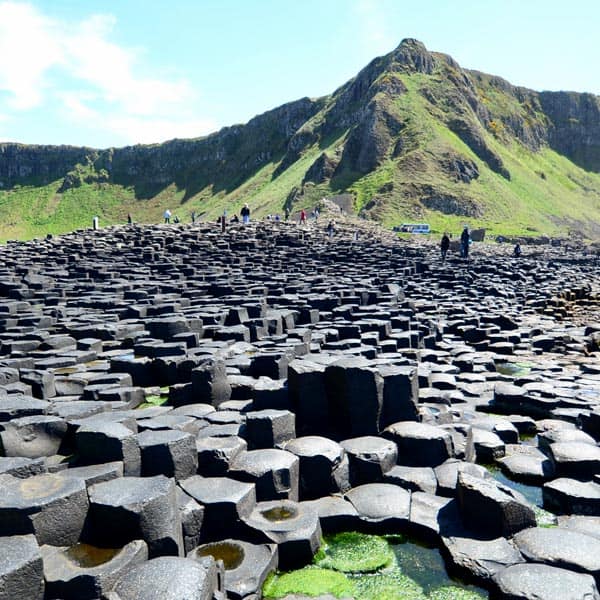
331 228
465 240
517 251
167 216
302 217
129 219
245 212
445 245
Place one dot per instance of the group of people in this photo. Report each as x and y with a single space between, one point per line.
465 243
245 218
167 216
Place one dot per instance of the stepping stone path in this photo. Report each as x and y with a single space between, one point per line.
183 410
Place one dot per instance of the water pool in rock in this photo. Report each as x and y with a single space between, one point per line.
514 369
87 556
531 493
368 567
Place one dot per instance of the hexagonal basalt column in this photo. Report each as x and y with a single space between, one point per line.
170 578
293 527
226 501
50 506
324 466
168 452
246 565
130 508
21 569
275 473
84 572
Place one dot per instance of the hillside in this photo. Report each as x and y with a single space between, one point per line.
412 137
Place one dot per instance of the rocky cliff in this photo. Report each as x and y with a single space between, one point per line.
413 135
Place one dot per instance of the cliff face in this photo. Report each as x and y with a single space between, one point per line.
574 128
412 135
19 162
226 157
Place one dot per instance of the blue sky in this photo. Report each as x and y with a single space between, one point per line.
111 73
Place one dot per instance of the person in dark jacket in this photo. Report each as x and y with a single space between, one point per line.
465 240
245 212
444 245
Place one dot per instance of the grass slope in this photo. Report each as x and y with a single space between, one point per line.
546 193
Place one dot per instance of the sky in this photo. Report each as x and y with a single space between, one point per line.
119 72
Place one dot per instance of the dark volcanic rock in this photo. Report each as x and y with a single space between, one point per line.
50 506
542 582
21 569
170 578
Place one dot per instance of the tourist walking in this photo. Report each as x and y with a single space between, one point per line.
167 216
302 217
129 219
465 240
245 212
445 245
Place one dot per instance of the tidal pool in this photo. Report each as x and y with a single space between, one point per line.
514 369
369 567
86 556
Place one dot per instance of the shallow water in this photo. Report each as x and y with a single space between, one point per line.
86 556
532 493
426 567
279 514
232 555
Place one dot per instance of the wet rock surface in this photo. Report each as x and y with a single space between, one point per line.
166 388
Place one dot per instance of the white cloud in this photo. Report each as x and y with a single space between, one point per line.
94 80
29 46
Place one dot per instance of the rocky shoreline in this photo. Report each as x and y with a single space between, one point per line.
173 394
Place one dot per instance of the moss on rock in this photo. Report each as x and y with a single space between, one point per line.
353 552
309 581
452 592
393 586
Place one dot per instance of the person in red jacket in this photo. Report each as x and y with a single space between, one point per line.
302 217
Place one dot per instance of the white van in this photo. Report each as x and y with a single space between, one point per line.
413 228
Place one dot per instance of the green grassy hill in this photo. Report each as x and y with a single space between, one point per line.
413 137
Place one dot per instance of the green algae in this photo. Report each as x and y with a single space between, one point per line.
372 567
309 581
544 518
353 552
387 586
153 401
452 592
514 369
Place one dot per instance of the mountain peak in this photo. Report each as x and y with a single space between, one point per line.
414 56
